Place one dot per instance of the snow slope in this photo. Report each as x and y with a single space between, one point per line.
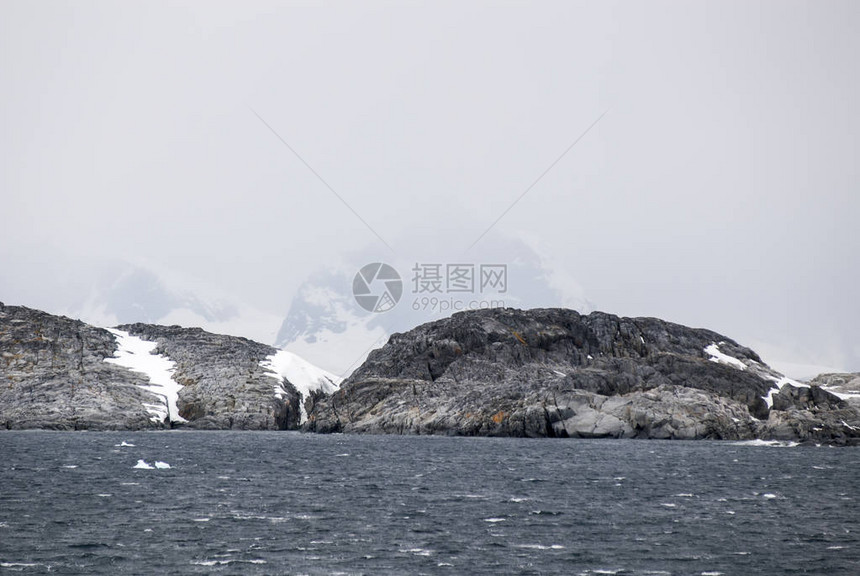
721 358
304 376
137 355
779 380
777 386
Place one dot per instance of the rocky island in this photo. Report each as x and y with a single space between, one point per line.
557 373
63 374
500 372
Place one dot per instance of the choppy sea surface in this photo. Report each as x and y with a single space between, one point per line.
289 503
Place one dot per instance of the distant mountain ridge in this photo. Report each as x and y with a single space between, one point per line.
325 324
125 293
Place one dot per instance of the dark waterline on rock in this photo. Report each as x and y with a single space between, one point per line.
287 503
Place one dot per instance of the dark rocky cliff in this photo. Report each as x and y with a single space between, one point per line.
554 372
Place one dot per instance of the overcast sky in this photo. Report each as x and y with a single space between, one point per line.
720 188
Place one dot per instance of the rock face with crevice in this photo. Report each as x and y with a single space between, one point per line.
556 373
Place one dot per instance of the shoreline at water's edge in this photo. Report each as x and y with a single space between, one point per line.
505 372
754 442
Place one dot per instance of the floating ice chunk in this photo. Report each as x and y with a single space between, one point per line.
141 464
227 562
162 465
416 551
770 443
540 546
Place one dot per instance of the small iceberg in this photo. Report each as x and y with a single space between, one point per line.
144 465
769 443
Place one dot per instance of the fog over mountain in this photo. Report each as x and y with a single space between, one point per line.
322 320
233 165
326 325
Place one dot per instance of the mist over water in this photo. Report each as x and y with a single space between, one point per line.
288 503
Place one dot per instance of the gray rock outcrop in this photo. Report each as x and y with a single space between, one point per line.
553 372
223 385
53 375
844 385
546 372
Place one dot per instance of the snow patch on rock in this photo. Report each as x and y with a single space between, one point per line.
137 355
778 384
304 376
717 356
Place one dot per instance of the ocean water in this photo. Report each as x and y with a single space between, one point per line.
288 503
